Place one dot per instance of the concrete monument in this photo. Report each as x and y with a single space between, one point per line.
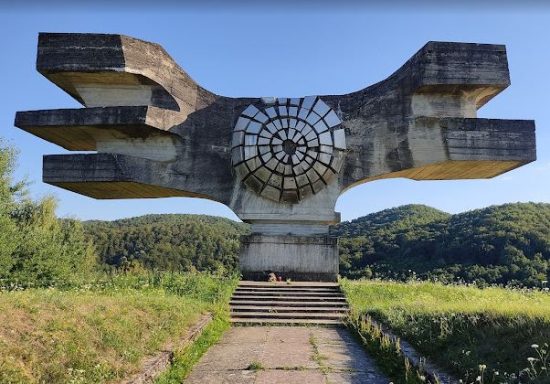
279 163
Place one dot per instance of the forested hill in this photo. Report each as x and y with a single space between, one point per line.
499 244
507 244
168 242
405 217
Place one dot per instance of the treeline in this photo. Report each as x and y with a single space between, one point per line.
37 249
507 244
168 242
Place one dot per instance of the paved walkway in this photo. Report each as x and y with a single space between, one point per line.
286 355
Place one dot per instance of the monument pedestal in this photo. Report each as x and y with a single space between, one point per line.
304 258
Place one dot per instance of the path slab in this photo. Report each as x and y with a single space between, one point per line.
287 355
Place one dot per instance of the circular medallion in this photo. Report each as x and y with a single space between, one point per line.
288 149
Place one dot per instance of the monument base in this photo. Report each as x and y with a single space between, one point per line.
299 258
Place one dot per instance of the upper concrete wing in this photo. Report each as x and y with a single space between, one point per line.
420 122
138 103
114 70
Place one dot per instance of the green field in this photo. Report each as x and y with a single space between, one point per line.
491 332
100 332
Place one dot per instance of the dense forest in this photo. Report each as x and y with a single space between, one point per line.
507 244
168 242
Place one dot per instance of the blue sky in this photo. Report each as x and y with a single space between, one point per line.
291 51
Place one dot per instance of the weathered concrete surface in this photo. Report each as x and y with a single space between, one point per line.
289 355
293 257
158 133
408 121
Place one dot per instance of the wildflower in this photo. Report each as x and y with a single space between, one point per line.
482 367
534 346
478 378
531 359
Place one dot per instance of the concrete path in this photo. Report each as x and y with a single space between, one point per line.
286 355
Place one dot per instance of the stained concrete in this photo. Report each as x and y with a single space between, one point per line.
422 118
300 258
287 355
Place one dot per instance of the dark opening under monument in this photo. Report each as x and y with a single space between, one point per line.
278 163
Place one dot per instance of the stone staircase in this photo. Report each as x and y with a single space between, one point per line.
281 303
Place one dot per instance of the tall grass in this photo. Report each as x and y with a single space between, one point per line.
99 331
479 334
186 358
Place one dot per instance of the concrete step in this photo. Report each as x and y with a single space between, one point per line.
302 303
267 291
261 308
284 284
274 297
289 289
293 294
273 322
288 315
288 303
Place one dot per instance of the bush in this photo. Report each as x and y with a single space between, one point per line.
36 248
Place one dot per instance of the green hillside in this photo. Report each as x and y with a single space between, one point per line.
168 242
507 244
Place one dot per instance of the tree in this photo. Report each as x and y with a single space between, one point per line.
36 248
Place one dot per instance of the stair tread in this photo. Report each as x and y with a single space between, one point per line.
281 308
289 302
279 293
289 315
284 284
341 298
285 321
291 289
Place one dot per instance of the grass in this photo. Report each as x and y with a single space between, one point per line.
185 359
478 334
318 357
99 332
255 366
386 352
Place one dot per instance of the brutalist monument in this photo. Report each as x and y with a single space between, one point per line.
278 163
